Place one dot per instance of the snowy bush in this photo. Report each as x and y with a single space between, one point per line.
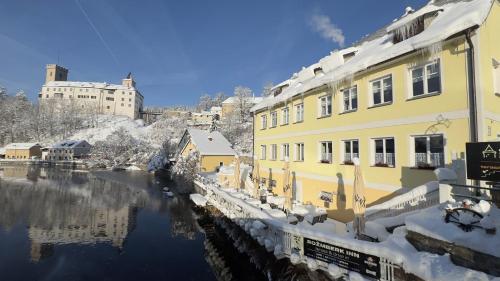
187 167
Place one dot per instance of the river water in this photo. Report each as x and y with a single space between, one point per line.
61 224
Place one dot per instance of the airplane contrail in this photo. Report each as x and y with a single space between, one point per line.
97 32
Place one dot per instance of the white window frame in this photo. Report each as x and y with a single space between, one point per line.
299 112
382 89
274 152
285 151
351 153
325 102
263 152
285 116
425 78
329 158
350 91
299 152
263 122
374 161
274 119
413 156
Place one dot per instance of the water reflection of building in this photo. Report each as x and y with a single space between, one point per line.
182 222
106 225
67 207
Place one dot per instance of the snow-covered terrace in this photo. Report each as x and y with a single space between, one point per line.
452 18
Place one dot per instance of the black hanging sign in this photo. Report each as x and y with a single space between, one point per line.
483 161
364 264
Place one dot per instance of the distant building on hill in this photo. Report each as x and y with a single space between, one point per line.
231 103
214 149
22 151
101 97
67 150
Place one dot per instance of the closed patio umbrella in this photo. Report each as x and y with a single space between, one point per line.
256 178
359 203
287 190
237 181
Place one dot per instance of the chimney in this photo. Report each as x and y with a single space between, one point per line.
129 81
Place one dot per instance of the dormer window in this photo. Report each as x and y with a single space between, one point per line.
348 56
412 27
318 71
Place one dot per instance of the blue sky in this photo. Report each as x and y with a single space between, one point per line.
179 50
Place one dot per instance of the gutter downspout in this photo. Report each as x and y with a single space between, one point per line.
471 89
471 81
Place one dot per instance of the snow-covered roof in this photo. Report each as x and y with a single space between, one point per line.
21 145
210 143
97 85
68 144
254 100
453 16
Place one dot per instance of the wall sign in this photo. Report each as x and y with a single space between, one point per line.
364 264
483 161
326 196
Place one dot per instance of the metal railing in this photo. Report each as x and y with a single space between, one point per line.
279 237
432 159
348 157
389 158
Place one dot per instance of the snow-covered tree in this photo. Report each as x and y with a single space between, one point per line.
243 103
266 90
187 167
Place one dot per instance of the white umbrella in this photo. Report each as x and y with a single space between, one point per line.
256 178
359 202
237 181
286 186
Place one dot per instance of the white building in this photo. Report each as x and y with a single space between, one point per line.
67 150
99 97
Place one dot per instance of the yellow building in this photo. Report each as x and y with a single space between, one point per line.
213 148
23 151
405 100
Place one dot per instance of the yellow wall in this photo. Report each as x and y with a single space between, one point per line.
23 153
487 49
210 163
445 113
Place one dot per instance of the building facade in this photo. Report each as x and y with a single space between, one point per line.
23 151
101 98
67 150
404 101
213 148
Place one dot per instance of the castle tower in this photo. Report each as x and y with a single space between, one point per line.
129 81
56 73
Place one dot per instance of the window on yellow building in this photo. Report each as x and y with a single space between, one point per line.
299 112
262 152
325 106
274 151
274 119
426 79
350 99
384 155
299 152
285 116
429 151
351 151
285 151
326 150
382 90
263 122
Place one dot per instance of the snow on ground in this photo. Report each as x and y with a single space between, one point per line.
110 123
430 222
